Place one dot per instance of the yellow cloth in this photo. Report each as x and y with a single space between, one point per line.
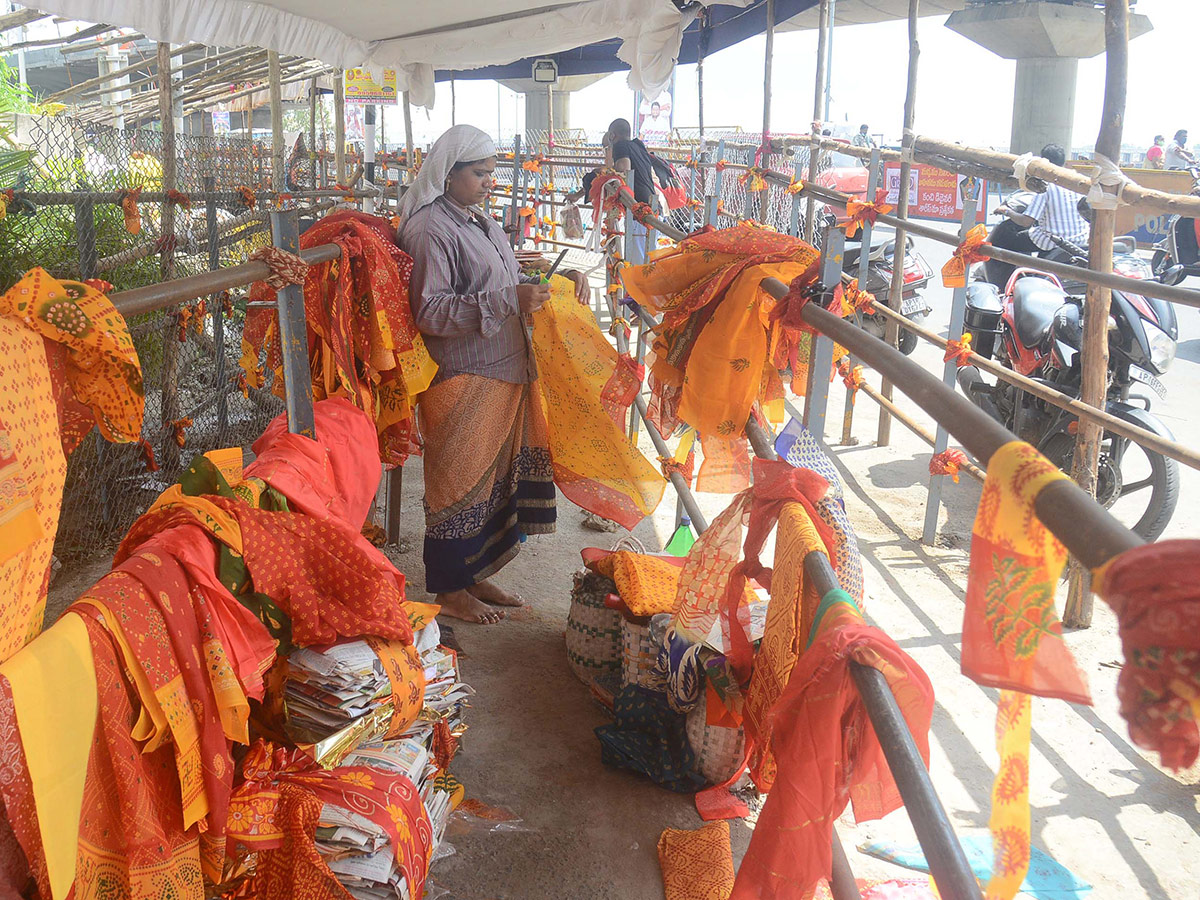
696 865
211 517
595 466
31 483
53 686
790 614
648 585
1009 822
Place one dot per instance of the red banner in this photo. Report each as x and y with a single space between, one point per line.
933 193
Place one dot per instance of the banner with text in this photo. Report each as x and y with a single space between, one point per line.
361 87
933 193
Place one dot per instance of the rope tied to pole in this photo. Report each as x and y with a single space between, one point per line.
959 351
286 268
948 462
862 212
966 254
179 198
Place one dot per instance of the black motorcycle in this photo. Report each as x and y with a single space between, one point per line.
1178 254
1033 324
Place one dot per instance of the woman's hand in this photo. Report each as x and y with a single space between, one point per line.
583 289
531 297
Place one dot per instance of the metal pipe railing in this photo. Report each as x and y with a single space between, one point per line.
69 198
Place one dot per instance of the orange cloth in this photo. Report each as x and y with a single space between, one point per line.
648 585
966 254
696 865
406 677
1009 821
861 212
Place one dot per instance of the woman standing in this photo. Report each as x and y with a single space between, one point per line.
488 476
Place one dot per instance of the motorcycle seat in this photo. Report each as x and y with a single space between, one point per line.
850 258
1035 300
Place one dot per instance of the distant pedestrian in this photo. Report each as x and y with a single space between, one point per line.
1178 156
863 139
1154 156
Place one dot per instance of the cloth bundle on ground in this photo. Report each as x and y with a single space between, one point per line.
67 362
720 349
696 865
362 340
117 723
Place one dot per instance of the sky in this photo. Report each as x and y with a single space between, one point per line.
964 91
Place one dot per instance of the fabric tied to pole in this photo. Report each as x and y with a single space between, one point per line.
868 213
129 206
966 254
286 268
959 351
179 198
1108 184
852 378
249 198
796 186
752 180
1155 591
948 462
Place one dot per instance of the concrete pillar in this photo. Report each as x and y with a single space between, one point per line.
537 108
1043 104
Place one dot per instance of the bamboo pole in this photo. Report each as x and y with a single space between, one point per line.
170 327
219 97
107 42
814 153
119 73
339 127
277 150
99 91
1094 387
768 60
312 130
408 139
895 294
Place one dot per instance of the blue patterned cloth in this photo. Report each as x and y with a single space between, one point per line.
678 667
649 737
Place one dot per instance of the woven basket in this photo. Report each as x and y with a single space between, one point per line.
593 630
718 749
639 654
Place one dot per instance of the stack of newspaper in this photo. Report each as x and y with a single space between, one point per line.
327 689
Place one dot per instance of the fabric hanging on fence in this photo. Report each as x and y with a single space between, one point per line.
595 466
1155 591
717 343
1009 821
647 584
1012 636
363 342
829 754
696 864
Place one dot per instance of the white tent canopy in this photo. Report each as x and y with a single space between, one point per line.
412 36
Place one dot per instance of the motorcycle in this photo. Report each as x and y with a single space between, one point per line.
1032 324
881 262
1178 254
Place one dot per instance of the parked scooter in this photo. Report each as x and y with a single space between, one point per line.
1178 254
881 260
1032 323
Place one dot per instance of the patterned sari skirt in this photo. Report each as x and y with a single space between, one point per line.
488 477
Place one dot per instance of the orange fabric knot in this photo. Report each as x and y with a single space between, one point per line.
179 198
693 203
786 313
286 268
242 384
129 206
526 212
721 210
670 464
10 195
959 351
721 164
148 455
184 319
855 300
954 272
533 164
249 198
796 186
100 285
642 211
622 324
948 462
861 212
227 304
179 428
852 378
199 311
752 179
282 199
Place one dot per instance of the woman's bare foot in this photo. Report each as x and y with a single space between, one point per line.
462 605
490 593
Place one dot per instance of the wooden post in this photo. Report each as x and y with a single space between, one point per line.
278 160
339 126
768 60
454 105
1078 612
170 333
312 130
700 53
814 154
892 334
408 140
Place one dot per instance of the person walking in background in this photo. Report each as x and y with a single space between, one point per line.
1154 156
628 155
863 139
1178 156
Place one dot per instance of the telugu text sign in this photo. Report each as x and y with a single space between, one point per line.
933 193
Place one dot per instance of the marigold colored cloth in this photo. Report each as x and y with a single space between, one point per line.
406 677
696 865
717 344
647 584
828 755
1012 636
362 340
488 477
595 466
1009 821
1155 592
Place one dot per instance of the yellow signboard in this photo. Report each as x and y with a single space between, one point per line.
361 87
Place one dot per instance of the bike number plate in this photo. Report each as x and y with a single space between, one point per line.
1150 381
913 303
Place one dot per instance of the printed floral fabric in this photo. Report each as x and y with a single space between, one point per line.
1155 592
1009 821
1012 636
363 343
647 584
102 365
406 677
595 466
696 865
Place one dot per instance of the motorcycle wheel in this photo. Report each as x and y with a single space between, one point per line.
908 342
1120 489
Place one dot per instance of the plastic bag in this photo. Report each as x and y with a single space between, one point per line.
572 222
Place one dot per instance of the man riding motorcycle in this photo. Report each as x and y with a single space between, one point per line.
1053 214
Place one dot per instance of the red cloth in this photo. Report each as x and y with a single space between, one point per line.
828 755
1155 591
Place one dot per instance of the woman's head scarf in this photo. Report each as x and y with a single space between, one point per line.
462 143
